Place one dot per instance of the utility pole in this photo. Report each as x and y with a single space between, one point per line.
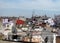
33 12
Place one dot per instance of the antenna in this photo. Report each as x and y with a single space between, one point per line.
33 12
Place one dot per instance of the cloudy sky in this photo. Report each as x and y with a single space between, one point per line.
26 7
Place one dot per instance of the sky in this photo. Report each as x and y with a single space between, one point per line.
26 7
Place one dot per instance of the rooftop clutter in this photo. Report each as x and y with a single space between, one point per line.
29 29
